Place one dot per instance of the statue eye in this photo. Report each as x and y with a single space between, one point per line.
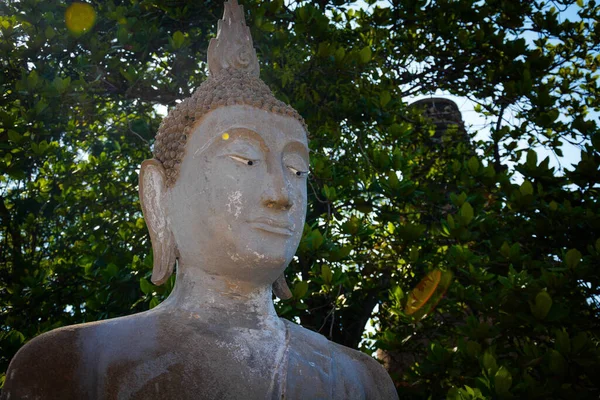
297 172
243 160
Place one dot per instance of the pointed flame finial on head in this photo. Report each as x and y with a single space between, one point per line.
232 48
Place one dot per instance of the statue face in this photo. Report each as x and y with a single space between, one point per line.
239 204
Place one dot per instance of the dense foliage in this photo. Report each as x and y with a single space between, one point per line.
391 199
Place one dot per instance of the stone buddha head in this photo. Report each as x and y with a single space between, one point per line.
226 189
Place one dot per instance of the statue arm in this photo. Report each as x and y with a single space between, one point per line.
381 385
46 368
376 382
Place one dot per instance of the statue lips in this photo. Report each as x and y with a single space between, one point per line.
272 226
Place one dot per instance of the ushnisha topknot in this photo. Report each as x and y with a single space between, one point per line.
233 80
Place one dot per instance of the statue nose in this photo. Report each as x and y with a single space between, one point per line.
277 191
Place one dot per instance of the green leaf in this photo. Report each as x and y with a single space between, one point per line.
340 54
268 26
473 165
61 85
42 146
300 289
451 222
556 362
542 305
340 253
489 363
410 231
532 159
14 136
15 338
515 251
579 342
154 302
146 286
502 381
393 180
365 54
40 106
329 192
324 49
526 188
473 348
32 79
178 39
572 258
397 294
275 6
316 239
505 249
49 32
326 274
112 270
466 212
122 35
413 254
562 342
352 226
458 200
384 98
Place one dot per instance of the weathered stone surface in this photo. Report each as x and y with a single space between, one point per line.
231 217
158 355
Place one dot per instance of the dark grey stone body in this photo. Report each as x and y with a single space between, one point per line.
158 355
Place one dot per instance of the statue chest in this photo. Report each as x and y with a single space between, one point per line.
230 365
207 362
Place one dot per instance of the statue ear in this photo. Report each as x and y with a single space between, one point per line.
153 187
281 289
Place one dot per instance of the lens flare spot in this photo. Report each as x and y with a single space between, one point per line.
80 18
225 136
425 296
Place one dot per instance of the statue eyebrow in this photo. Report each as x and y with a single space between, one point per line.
298 146
233 132
243 132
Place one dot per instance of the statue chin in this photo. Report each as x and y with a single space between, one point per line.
257 267
225 197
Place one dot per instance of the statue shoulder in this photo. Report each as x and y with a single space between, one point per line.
58 364
46 367
353 371
376 381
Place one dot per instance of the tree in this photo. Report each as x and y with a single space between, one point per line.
389 200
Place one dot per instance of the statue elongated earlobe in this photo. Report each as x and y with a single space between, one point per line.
153 186
281 289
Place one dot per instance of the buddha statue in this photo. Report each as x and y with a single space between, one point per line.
224 199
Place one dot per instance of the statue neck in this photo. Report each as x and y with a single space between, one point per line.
222 299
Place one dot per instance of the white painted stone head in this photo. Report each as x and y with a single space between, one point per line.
226 189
